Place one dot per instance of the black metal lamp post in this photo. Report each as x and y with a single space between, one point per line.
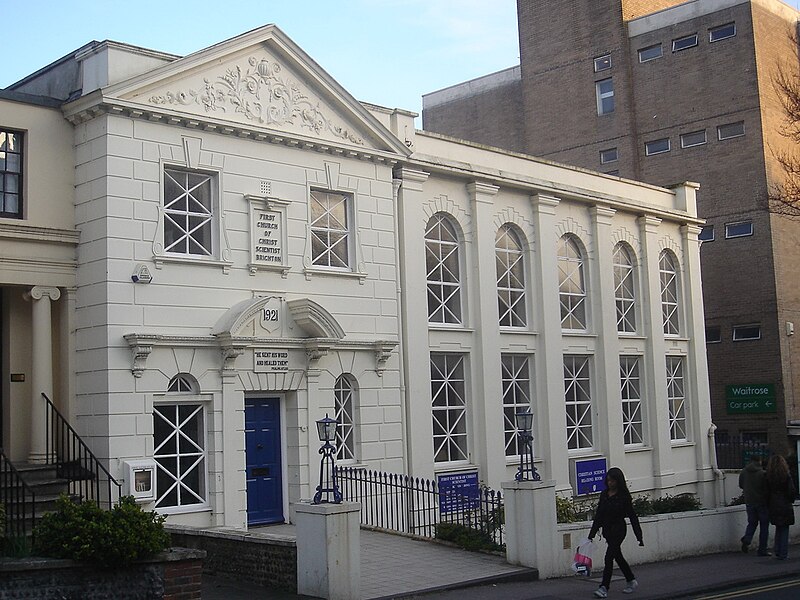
527 471
327 490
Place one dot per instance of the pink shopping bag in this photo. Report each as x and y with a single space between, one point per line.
582 562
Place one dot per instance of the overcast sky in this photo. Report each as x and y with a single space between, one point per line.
387 52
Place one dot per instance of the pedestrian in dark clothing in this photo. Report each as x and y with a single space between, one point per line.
615 504
780 500
753 481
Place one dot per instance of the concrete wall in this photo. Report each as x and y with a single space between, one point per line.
669 536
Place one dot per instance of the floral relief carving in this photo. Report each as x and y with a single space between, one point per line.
261 94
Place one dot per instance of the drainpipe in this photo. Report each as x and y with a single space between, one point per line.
396 185
719 476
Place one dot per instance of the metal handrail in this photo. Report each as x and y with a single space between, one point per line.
18 499
416 506
75 462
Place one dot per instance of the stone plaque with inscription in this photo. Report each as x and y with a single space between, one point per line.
267 238
274 360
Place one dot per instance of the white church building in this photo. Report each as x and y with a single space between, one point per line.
201 256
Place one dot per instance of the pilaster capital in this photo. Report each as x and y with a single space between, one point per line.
544 204
38 292
649 224
411 178
690 231
602 215
482 188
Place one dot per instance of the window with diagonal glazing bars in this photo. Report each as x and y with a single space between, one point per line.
624 290
188 213
571 285
630 390
345 421
330 229
668 271
578 402
510 278
516 381
676 398
449 408
443 271
179 451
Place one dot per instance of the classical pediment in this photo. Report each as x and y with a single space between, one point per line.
259 80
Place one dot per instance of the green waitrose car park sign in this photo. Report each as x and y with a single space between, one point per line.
750 398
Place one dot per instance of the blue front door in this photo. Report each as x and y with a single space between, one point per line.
262 432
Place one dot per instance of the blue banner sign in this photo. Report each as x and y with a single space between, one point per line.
590 475
458 491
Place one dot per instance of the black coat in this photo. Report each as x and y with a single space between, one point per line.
610 516
780 499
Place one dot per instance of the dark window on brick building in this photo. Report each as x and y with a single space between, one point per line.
706 233
742 333
605 96
694 138
722 32
602 63
730 130
689 41
650 53
713 334
741 229
657 146
608 156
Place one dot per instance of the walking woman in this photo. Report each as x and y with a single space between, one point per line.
615 504
780 497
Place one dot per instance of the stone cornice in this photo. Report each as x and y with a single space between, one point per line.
212 341
53 235
94 105
535 186
231 347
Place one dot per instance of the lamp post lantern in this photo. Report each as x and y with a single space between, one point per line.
527 470
327 490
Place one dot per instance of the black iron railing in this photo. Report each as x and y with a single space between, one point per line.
17 499
416 506
735 454
74 461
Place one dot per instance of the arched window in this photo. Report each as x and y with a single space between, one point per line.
344 409
510 278
443 271
183 383
624 289
179 445
571 284
668 271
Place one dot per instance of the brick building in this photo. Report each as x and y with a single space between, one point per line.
663 91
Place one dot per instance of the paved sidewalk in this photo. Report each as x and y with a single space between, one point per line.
681 578
398 567
392 566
